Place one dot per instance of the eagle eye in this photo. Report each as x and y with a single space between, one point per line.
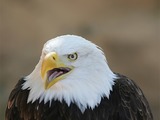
73 56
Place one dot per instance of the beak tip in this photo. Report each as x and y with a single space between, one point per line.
46 86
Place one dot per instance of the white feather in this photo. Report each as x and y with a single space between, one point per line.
89 82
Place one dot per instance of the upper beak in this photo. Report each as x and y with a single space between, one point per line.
49 62
51 70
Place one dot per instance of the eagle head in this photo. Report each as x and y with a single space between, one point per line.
70 69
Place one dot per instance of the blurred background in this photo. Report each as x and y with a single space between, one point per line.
128 31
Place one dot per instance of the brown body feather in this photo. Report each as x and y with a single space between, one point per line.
126 102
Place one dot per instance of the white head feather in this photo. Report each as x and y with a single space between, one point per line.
89 82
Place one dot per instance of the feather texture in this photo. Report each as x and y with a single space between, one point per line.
126 102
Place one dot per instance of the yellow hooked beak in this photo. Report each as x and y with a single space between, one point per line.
53 69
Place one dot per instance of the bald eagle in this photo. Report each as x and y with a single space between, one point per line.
72 81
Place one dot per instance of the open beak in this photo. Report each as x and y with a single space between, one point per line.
53 69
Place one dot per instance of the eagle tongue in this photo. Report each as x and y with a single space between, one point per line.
54 75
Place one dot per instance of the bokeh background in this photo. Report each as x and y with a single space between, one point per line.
127 30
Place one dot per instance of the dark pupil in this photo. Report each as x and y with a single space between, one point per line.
72 56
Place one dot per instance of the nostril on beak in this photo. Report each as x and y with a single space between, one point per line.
54 58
